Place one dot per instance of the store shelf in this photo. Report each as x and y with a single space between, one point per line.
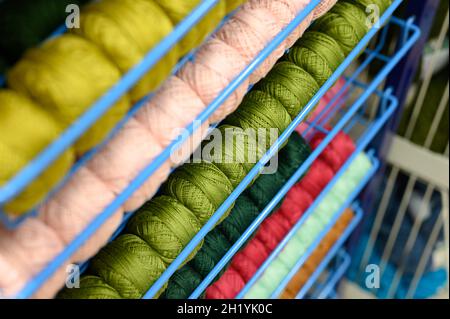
409 32
327 288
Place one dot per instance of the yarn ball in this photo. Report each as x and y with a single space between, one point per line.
124 157
318 54
18 120
12 280
226 61
323 7
201 187
345 23
297 201
233 150
74 206
319 175
128 265
232 5
25 23
245 267
179 9
126 30
208 84
233 278
291 85
166 226
260 111
182 283
91 287
76 66
365 4
294 153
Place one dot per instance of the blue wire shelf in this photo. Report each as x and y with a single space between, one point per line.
327 288
38 165
410 34
330 255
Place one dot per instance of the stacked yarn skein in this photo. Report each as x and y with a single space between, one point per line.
245 263
246 209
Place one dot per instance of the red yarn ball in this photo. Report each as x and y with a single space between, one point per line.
296 203
318 176
227 287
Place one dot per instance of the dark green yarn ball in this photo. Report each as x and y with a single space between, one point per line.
183 282
242 215
346 23
215 247
26 23
91 287
166 225
128 265
201 187
289 84
296 151
318 54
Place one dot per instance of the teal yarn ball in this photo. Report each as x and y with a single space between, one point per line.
201 187
346 23
318 54
91 287
289 84
166 226
263 113
233 150
183 282
128 265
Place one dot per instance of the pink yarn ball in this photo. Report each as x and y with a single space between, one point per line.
124 157
12 280
208 84
323 7
71 210
53 285
299 6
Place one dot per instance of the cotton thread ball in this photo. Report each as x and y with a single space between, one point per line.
272 231
128 265
264 22
215 247
296 203
55 73
233 150
318 54
259 111
126 31
225 288
256 251
18 124
208 84
124 157
166 226
330 155
232 5
345 23
246 267
91 287
319 175
12 280
201 187
178 10
74 206
323 7
182 283
364 4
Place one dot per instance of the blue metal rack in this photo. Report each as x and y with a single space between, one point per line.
327 288
411 34
38 165
333 251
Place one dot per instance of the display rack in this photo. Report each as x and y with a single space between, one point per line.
354 113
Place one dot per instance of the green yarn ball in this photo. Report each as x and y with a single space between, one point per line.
346 23
318 54
177 10
289 84
91 287
201 187
183 282
128 265
364 4
166 226
215 247
258 111
232 5
26 130
233 150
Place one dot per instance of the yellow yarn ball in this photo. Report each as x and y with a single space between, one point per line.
26 129
126 30
66 75
177 10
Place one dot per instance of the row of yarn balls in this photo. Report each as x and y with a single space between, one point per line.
262 107
195 191
85 195
300 197
56 82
